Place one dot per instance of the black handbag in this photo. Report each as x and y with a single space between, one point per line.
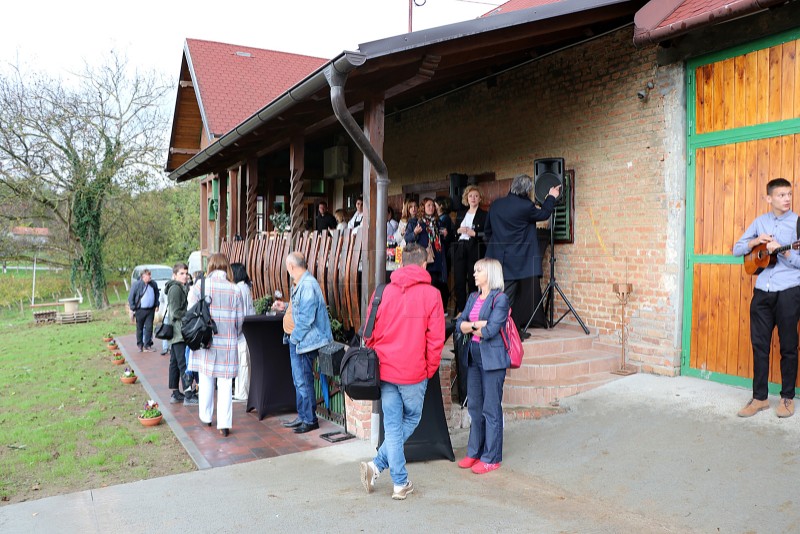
164 330
360 369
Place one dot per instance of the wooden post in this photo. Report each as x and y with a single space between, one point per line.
233 211
296 166
374 130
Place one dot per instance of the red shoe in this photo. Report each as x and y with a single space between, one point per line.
482 467
466 462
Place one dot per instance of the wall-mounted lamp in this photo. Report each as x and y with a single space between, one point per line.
644 94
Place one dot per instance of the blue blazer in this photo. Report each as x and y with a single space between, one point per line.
493 352
511 234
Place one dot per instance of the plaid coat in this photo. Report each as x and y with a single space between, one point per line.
221 360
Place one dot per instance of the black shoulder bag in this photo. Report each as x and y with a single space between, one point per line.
360 370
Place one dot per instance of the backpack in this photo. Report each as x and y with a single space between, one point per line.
197 326
360 369
511 340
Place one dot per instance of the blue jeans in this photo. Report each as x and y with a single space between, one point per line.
303 377
402 410
485 406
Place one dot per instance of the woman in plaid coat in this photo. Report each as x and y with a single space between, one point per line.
221 359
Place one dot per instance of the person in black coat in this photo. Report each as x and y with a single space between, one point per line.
325 220
512 239
469 246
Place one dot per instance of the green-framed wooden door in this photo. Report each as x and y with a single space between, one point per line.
743 129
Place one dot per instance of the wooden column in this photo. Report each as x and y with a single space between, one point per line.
233 209
222 210
204 216
297 166
374 130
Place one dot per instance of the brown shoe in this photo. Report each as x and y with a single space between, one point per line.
785 408
753 407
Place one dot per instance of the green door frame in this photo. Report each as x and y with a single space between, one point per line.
694 142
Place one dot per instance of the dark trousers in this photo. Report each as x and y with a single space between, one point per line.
144 326
768 310
177 367
523 296
463 270
485 406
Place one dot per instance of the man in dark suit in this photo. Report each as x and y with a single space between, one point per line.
325 220
143 303
511 234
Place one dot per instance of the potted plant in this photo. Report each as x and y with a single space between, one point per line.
112 345
108 338
128 376
117 358
150 415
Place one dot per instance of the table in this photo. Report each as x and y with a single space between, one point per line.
271 385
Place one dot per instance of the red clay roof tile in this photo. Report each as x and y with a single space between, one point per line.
233 82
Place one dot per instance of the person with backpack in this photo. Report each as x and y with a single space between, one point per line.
220 359
408 337
483 317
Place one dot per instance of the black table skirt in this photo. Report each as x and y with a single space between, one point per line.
271 385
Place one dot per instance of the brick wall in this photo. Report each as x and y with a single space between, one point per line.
579 104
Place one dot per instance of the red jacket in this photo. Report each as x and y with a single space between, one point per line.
409 327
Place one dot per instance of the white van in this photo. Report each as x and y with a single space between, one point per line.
195 262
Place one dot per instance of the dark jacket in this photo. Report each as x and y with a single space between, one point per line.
511 235
439 265
325 222
137 292
475 246
176 299
409 327
494 310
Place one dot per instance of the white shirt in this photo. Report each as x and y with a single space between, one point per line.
466 223
357 217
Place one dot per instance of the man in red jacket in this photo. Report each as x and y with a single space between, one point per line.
408 338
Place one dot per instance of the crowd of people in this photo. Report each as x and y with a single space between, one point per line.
492 257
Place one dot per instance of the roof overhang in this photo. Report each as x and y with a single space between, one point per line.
410 69
648 28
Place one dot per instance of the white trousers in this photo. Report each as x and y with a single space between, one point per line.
243 378
224 401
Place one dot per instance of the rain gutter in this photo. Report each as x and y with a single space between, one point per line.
337 79
656 11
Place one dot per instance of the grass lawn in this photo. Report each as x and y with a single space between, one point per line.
67 423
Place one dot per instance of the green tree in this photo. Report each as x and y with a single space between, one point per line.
71 146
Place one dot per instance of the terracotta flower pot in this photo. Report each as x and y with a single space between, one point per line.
151 421
113 346
118 362
128 379
108 339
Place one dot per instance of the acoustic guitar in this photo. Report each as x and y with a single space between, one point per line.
760 258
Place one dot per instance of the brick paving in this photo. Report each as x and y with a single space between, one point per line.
249 439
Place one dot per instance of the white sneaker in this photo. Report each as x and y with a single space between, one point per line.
369 475
401 492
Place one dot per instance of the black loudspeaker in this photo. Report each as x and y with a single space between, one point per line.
458 182
547 173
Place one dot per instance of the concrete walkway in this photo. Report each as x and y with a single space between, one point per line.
642 454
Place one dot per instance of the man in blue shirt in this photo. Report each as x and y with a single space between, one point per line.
143 302
776 298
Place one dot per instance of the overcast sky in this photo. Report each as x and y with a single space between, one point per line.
57 35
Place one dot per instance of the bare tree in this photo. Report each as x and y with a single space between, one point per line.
70 146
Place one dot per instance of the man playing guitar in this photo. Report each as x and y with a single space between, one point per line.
776 297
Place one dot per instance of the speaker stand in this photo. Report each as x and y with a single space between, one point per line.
548 294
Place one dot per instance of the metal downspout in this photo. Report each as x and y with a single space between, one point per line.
337 80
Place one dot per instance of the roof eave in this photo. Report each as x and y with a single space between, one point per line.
643 36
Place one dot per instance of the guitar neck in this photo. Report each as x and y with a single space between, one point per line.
784 248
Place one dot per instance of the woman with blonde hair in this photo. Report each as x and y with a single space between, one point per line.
220 360
341 219
409 212
483 317
469 246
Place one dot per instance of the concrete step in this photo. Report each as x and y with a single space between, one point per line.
561 368
547 395
556 341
